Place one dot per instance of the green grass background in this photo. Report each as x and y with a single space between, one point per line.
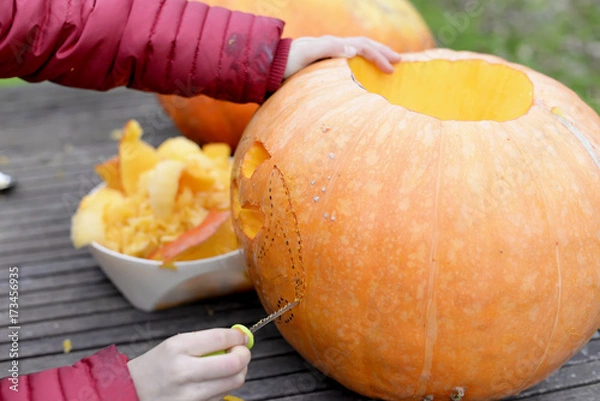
560 38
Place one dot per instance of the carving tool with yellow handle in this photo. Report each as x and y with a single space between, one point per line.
257 326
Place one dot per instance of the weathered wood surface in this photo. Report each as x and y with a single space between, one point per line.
50 137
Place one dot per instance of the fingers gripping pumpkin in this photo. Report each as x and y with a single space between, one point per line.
440 225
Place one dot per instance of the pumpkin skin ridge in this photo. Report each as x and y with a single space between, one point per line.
556 245
565 125
540 109
381 100
528 380
585 141
431 325
546 265
580 107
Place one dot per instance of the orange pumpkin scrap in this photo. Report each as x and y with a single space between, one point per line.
393 22
440 225
194 237
110 173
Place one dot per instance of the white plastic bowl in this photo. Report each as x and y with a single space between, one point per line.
150 287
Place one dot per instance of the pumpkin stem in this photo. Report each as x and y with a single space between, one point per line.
457 393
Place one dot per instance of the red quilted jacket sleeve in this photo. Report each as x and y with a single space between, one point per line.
164 46
101 377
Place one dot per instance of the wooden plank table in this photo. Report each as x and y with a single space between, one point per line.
50 137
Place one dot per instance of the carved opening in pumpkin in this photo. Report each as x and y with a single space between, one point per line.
253 158
250 217
464 90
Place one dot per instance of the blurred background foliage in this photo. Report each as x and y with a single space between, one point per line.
10 82
560 38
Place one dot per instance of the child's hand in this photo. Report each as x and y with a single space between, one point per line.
174 370
306 50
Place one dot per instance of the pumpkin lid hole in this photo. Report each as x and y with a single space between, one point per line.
464 90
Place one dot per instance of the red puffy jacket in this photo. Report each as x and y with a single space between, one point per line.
101 377
164 46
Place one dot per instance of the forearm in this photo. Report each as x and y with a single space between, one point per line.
161 46
66 42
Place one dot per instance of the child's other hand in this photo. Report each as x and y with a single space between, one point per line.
174 370
306 50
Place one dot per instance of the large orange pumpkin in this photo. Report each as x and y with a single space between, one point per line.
393 22
440 226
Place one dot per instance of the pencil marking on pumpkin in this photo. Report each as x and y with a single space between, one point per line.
431 326
559 287
294 247
282 302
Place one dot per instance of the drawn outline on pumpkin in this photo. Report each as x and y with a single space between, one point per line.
293 245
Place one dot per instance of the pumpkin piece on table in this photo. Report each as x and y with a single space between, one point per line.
163 186
110 172
135 156
88 225
177 148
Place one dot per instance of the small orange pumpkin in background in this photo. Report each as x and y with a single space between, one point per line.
393 22
440 225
